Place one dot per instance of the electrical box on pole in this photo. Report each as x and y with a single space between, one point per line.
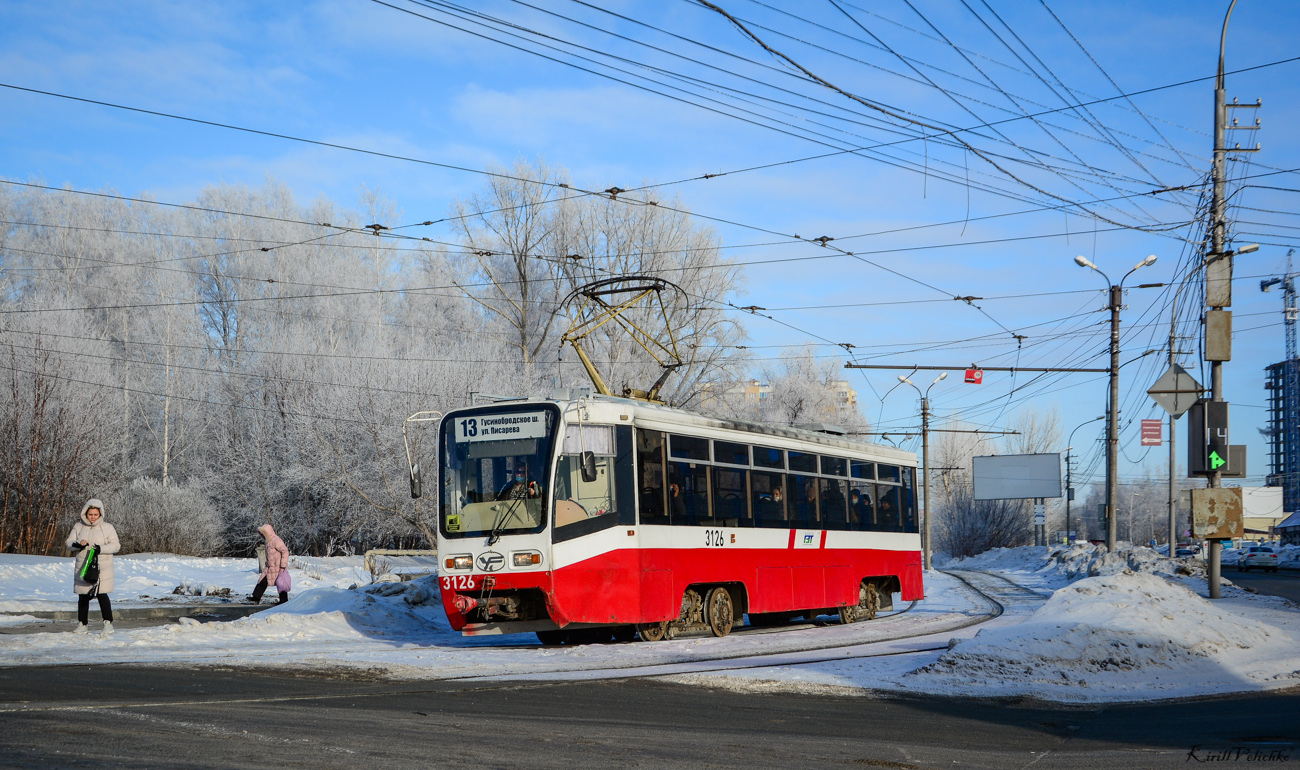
1218 335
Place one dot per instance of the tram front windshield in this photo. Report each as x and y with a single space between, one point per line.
494 471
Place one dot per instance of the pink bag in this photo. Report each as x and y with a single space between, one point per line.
283 582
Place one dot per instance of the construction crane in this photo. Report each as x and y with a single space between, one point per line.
1284 407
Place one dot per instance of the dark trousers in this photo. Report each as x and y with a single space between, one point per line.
261 589
83 607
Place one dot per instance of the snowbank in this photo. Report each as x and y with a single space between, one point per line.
1056 566
43 583
1127 636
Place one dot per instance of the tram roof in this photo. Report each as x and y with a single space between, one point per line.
647 411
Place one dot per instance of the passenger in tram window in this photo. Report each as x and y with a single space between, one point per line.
855 509
676 504
804 511
888 517
834 506
776 498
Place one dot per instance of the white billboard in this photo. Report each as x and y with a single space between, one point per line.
1016 477
1262 502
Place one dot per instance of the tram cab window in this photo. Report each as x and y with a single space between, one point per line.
834 466
583 506
769 458
803 462
862 470
862 506
688 448
688 494
650 476
767 496
732 454
887 512
731 498
803 499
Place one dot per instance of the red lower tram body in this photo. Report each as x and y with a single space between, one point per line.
645 585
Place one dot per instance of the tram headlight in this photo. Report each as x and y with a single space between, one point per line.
460 562
527 558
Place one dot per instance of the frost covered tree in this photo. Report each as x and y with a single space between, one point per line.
260 354
965 526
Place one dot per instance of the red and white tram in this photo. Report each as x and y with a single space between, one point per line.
597 517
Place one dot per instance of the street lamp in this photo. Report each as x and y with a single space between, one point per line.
1069 471
1112 425
925 460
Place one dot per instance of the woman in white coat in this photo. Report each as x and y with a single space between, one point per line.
93 530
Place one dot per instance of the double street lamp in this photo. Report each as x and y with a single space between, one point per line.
925 460
1112 425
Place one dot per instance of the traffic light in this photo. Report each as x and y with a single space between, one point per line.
1216 428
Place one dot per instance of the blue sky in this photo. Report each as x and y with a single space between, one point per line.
370 76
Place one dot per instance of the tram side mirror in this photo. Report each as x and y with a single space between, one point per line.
588 466
417 486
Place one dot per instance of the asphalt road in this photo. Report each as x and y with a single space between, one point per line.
102 717
1281 583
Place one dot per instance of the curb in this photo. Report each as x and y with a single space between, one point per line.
175 612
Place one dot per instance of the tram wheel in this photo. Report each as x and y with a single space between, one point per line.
552 638
652 632
718 611
867 607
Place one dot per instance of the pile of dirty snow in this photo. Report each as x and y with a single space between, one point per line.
1128 635
1056 566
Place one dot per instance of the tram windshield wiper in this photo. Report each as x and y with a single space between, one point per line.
500 525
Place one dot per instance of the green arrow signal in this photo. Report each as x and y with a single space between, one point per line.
1216 462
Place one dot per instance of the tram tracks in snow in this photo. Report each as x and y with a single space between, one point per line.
994 591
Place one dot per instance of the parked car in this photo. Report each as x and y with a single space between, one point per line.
1260 556
1186 551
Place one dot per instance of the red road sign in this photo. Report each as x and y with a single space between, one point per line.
975 376
1152 432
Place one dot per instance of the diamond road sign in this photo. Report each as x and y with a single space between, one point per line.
1176 390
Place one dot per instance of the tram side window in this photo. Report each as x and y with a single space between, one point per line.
767 495
732 454
731 498
887 512
887 473
803 499
834 466
803 462
862 470
769 458
688 448
583 506
862 506
833 503
650 476
908 502
688 494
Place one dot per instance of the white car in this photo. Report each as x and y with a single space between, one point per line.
1257 556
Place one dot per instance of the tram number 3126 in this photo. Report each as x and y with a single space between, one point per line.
713 538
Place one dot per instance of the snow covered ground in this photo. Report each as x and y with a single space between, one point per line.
1079 626
43 583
